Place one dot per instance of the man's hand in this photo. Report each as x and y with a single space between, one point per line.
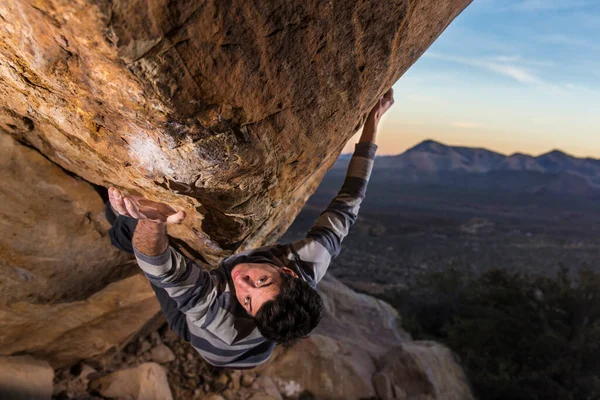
370 128
382 106
143 209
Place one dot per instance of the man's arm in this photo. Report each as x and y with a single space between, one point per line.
192 288
323 241
150 238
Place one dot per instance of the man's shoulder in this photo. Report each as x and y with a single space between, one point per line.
227 322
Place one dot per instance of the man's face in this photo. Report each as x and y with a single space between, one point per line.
256 284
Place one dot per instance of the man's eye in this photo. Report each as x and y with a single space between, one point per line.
261 281
246 300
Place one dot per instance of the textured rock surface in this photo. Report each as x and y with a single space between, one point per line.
24 378
67 332
162 354
53 234
147 381
55 254
268 390
328 368
352 317
56 262
421 370
360 351
228 110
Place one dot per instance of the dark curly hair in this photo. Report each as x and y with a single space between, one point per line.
292 314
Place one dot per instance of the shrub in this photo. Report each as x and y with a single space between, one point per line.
518 336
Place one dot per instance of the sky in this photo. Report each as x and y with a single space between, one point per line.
507 75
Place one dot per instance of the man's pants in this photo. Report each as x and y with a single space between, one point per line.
121 235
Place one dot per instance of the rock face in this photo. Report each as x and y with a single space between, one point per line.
67 332
24 378
230 111
53 234
56 262
360 351
421 370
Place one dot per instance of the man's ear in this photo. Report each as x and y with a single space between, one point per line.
288 271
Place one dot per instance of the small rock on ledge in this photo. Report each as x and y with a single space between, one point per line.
147 381
25 377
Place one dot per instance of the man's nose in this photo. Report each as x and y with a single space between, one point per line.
248 280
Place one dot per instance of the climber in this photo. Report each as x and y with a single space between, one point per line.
235 314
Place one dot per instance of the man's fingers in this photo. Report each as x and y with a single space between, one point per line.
116 201
142 208
389 96
387 100
176 218
133 209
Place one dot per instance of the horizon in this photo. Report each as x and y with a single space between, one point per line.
344 152
511 76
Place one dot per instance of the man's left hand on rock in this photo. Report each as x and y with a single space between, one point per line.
143 209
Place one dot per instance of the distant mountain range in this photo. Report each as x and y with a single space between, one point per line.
434 162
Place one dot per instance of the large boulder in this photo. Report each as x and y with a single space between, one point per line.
54 243
228 110
421 370
352 317
360 351
339 358
326 367
25 378
67 332
57 265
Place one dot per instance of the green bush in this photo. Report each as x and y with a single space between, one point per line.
518 336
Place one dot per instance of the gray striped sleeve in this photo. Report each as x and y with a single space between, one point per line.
315 255
323 241
192 288
360 167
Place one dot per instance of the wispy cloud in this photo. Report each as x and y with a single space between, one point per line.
514 58
518 59
519 73
565 40
512 67
465 124
551 5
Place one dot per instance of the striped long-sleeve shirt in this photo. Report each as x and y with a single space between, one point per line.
220 329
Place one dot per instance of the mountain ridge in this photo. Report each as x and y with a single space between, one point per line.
518 153
434 162
433 156
429 142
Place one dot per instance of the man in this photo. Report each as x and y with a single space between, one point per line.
233 315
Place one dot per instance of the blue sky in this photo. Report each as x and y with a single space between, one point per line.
508 75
